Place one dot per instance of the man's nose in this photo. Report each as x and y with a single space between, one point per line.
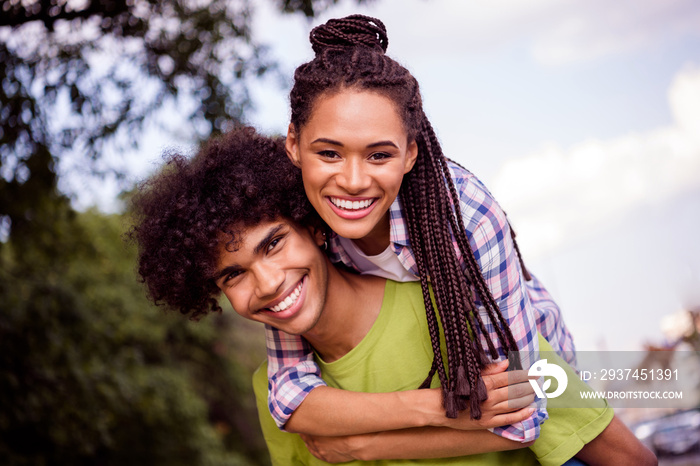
269 279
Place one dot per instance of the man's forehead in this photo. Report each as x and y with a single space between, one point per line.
248 234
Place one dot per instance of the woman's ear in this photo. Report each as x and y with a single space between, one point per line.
291 146
411 156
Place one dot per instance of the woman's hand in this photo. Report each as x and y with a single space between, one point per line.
335 449
509 398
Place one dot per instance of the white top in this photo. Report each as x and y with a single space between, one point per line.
386 264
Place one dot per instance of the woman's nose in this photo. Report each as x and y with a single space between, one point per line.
353 177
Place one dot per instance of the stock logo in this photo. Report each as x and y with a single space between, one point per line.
543 369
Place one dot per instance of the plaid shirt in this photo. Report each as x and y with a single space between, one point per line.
526 306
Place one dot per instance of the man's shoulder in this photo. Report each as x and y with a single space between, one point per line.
394 287
260 380
404 295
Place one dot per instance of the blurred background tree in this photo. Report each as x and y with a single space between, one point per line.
90 372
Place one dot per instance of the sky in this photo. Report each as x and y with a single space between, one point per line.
581 116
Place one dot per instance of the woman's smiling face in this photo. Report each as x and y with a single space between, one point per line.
353 153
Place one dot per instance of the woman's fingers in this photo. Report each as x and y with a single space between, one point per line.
503 379
502 387
512 402
495 368
507 392
512 417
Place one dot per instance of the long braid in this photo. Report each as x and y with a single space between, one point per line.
409 194
469 313
489 303
350 54
446 277
445 261
486 297
452 402
446 310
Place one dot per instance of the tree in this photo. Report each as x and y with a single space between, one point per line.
90 373
86 75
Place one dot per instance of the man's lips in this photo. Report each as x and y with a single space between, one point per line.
288 304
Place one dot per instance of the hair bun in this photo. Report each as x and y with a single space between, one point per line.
351 31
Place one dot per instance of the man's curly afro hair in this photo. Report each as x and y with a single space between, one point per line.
182 213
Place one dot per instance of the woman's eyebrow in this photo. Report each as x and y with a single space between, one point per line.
382 143
340 144
327 141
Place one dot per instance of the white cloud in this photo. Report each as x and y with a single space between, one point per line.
598 28
556 194
684 96
554 32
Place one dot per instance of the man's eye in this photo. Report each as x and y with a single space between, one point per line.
273 244
232 275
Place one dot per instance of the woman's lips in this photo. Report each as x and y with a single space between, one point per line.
352 209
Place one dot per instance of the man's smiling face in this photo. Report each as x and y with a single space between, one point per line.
275 274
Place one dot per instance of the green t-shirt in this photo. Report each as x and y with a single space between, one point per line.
396 354
568 429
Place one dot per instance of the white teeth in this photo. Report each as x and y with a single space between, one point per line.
351 205
289 300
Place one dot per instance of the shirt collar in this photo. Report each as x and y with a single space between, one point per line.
398 233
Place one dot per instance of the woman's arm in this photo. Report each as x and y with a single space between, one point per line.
332 412
418 443
292 373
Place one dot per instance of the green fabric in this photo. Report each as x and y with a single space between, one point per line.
568 429
396 354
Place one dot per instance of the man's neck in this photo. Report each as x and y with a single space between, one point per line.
352 305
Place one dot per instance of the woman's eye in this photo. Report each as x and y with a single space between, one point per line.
380 156
328 154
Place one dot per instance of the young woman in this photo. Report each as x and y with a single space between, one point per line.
374 170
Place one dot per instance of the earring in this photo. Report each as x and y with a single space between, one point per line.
325 243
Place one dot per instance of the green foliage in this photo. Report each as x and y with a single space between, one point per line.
91 373
84 77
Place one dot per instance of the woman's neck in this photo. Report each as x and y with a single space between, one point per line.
377 240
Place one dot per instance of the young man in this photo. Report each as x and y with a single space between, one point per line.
235 219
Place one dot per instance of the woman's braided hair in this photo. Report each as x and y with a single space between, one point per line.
350 55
